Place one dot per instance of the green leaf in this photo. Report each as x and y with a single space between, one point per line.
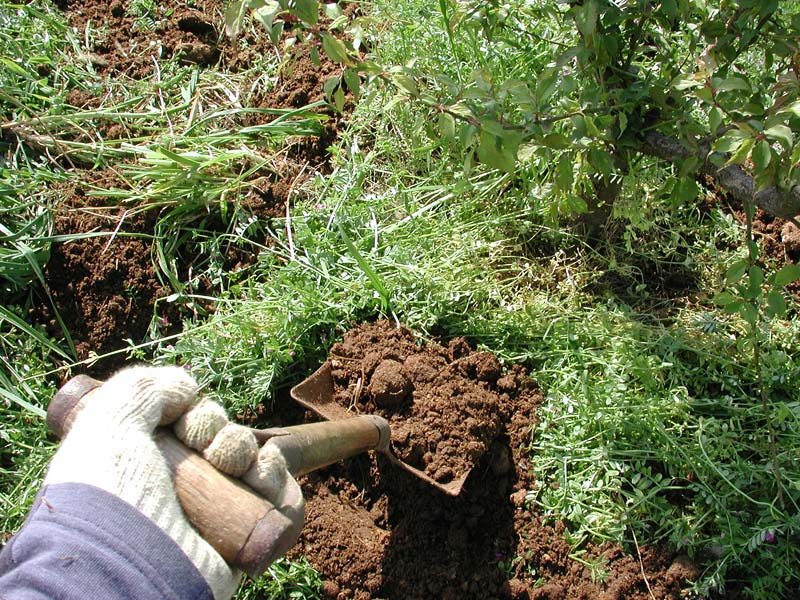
234 17
602 161
266 14
715 118
335 49
447 127
591 127
353 82
756 276
564 173
748 312
330 86
685 190
762 153
314 56
670 8
733 83
333 11
307 11
733 307
786 275
742 152
338 99
724 299
586 17
730 141
576 204
685 82
276 32
546 85
736 271
556 141
623 123
776 305
406 83
499 152
793 108
781 134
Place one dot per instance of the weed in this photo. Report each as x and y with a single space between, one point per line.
25 448
285 580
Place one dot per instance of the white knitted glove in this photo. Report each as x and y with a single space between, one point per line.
110 445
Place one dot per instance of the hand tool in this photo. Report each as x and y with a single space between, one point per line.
229 515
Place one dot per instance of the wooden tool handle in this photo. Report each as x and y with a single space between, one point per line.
239 523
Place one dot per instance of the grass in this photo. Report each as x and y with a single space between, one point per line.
652 429
24 356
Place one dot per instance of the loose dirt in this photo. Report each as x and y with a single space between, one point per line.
103 288
375 531
443 403
125 36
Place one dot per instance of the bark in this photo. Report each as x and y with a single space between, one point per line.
733 179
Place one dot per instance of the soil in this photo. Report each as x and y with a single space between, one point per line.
124 38
375 531
444 403
104 289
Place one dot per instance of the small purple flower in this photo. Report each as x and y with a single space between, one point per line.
769 537
170 347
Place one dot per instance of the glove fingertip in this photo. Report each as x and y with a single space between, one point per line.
232 450
197 427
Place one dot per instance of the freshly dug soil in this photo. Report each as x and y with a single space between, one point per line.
443 404
375 531
125 39
104 288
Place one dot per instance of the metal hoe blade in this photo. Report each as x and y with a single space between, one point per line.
316 393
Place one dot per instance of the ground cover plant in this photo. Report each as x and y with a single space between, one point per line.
243 188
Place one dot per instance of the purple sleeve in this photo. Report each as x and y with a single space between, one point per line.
82 542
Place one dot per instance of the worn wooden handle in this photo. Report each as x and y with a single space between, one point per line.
239 523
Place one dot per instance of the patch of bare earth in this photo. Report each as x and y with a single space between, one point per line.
105 288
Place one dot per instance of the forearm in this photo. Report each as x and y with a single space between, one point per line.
82 542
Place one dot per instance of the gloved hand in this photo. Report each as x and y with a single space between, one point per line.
110 445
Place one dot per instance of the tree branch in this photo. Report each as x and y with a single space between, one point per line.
733 179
